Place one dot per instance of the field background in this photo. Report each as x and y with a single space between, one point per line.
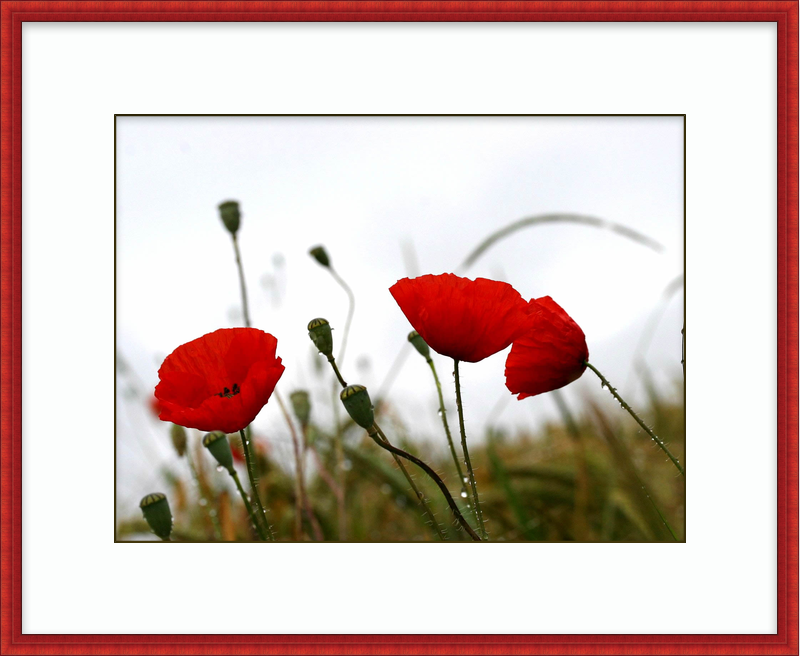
395 197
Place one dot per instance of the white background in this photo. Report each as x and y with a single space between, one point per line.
76 77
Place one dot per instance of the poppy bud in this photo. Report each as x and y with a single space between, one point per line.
155 509
319 330
217 443
178 435
416 339
229 213
355 399
320 255
301 404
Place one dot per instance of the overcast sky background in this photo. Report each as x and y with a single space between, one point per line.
389 197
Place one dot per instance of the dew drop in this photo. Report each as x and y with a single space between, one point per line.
220 468
203 502
347 465
463 493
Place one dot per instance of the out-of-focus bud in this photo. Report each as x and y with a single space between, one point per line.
320 255
230 215
301 404
416 340
178 435
217 443
355 399
155 509
319 330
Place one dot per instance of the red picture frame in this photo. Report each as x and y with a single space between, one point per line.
785 14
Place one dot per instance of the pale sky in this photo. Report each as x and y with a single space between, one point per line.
373 190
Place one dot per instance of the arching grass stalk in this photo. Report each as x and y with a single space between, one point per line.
475 500
630 411
375 433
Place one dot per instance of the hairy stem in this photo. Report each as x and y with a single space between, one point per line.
251 473
373 433
256 523
630 411
420 496
478 513
443 415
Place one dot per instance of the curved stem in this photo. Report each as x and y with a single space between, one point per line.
256 523
475 500
251 474
630 411
332 360
350 310
443 414
373 433
241 282
420 496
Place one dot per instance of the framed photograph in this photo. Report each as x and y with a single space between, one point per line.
378 282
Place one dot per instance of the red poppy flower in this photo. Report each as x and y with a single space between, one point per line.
467 320
551 354
219 381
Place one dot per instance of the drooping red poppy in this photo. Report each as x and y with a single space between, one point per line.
552 352
219 381
467 320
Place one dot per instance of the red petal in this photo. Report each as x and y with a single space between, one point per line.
464 319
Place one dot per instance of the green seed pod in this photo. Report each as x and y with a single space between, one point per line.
416 340
320 255
301 404
355 399
155 509
217 443
319 330
230 215
178 435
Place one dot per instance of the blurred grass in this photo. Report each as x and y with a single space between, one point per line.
592 476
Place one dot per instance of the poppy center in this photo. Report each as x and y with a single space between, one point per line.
228 393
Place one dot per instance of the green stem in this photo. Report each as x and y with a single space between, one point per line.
256 523
251 474
443 413
420 496
241 281
332 360
630 411
373 433
478 513
350 310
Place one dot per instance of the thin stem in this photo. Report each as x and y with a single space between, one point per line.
339 452
478 513
251 473
256 523
443 415
420 496
302 498
350 310
332 360
373 433
241 281
630 411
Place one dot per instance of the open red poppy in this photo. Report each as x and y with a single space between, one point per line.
467 320
219 381
551 354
